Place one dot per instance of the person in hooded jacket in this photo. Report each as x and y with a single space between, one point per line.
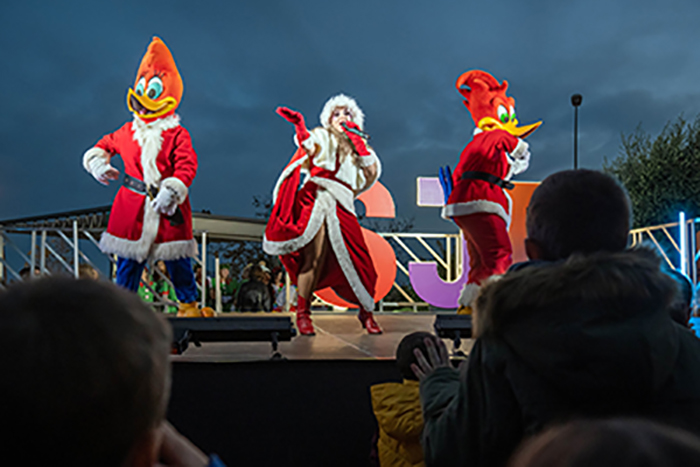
584 330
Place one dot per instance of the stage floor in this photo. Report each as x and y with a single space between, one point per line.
339 336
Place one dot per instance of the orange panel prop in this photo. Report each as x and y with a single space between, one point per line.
521 195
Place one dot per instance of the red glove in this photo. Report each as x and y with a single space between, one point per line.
356 139
296 119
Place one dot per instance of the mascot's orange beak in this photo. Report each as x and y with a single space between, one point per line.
158 88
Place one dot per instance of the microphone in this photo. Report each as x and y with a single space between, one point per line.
359 133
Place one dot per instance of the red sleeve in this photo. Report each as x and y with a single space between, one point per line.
506 141
110 142
184 158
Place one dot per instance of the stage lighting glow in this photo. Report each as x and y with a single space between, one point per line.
683 233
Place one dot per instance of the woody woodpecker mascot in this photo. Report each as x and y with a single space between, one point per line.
476 194
314 227
151 217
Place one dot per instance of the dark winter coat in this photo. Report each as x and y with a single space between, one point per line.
589 337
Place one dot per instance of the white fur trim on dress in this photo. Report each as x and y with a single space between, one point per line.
134 249
468 294
341 100
335 236
340 192
149 136
323 205
286 173
475 207
93 155
177 186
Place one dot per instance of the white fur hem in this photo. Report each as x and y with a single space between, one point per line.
468 294
94 154
335 237
174 250
134 249
475 207
323 205
177 186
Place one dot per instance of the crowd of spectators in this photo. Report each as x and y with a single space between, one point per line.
582 356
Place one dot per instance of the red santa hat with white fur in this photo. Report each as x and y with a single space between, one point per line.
341 100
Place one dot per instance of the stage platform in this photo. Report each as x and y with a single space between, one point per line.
339 336
311 409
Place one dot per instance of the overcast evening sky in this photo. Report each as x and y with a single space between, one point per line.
66 67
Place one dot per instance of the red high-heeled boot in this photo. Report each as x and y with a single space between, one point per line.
368 322
304 324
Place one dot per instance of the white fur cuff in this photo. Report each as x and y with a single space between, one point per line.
369 159
176 186
93 158
468 294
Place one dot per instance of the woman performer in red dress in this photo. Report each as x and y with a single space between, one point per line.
313 226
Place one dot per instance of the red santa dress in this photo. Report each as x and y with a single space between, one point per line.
326 197
160 154
483 209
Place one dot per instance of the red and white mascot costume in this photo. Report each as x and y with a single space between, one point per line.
338 165
151 217
479 203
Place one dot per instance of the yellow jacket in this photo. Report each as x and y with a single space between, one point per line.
398 411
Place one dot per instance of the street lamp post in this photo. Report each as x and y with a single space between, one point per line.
576 100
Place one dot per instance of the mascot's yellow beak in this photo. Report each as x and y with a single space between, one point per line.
511 126
147 108
158 88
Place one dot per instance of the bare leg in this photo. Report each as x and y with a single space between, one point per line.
313 256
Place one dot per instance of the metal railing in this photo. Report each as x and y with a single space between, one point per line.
682 250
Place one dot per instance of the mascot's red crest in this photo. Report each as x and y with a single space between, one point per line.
488 104
158 87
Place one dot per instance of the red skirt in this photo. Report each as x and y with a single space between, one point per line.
296 218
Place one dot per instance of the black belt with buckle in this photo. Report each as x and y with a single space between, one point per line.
140 187
487 177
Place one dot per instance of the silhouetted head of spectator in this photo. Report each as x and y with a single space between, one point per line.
682 304
404 352
577 211
85 374
609 443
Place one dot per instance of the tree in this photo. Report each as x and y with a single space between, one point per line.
661 176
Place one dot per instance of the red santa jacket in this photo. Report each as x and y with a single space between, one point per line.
161 154
495 152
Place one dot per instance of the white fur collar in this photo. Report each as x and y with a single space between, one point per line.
149 137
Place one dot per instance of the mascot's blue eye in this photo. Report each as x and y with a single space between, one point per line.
140 86
155 88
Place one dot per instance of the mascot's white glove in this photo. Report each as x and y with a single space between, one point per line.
103 171
520 157
165 202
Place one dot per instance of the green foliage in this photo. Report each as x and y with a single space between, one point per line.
662 176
